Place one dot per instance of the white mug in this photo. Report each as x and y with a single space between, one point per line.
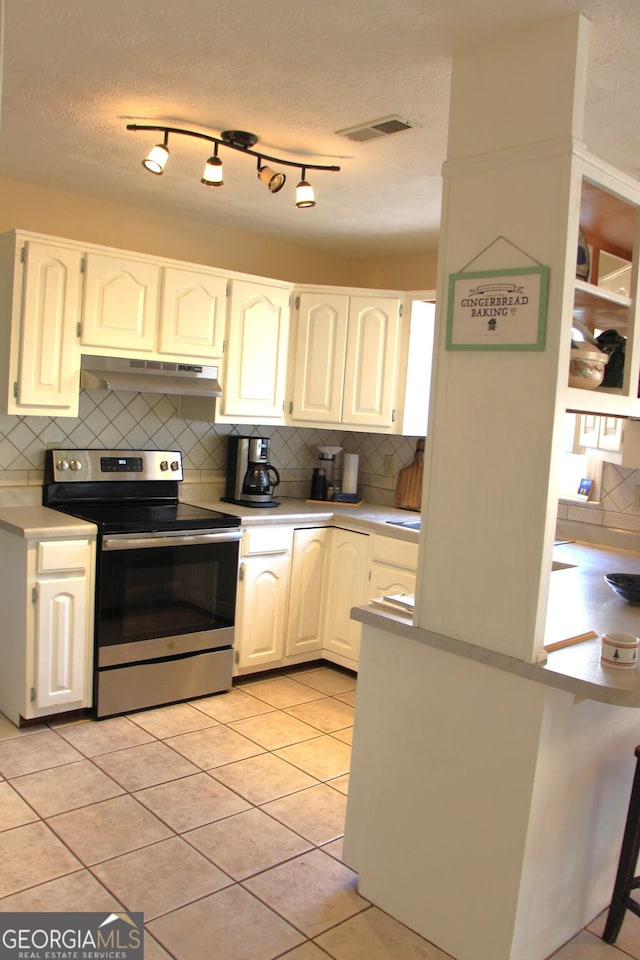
619 650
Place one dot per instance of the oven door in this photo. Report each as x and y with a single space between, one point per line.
165 594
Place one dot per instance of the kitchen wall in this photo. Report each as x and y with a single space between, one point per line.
119 419
27 206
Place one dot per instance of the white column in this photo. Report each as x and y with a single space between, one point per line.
496 417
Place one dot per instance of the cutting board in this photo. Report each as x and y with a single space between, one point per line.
409 485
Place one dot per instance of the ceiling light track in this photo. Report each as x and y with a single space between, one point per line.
241 141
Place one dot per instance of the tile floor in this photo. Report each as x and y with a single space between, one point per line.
220 819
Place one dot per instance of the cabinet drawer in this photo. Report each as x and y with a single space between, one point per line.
266 539
392 550
56 555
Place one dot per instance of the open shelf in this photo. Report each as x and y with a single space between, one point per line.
608 218
600 309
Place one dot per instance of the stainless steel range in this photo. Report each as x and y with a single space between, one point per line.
166 576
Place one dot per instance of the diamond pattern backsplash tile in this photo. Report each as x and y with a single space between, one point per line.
113 419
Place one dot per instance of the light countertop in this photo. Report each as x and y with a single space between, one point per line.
579 601
37 522
31 521
367 517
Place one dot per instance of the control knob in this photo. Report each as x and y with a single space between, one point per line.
62 465
75 464
164 465
175 465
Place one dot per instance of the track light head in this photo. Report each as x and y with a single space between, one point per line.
275 181
212 176
305 197
156 160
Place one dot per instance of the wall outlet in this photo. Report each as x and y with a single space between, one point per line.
636 497
389 465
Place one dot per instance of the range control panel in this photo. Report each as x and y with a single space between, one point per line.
89 465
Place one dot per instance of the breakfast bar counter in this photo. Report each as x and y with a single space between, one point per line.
580 603
466 760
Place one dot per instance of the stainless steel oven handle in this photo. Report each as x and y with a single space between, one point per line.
126 542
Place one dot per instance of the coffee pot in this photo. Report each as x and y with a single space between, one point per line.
260 479
251 479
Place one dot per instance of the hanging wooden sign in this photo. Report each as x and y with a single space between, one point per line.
498 309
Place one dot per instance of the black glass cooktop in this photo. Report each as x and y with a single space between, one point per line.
143 517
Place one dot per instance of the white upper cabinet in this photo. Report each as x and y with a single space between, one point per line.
319 362
371 366
192 313
120 306
138 304
345 360
608 298
255 361
40 356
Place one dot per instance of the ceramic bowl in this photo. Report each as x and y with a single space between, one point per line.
626 585
586 367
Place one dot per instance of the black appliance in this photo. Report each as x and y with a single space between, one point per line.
166 577
251 479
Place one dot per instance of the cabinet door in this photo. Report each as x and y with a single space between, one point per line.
387 579
321 338
192 313
256 351
307 597
120 303
372 347
62 647
262 610
348 587
49 363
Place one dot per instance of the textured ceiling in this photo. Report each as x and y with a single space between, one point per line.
75 72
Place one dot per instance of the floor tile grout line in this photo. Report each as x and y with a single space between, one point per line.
291 923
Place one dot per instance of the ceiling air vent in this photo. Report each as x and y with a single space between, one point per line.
375 129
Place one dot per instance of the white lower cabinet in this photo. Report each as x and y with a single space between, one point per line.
393 566
307 597
298 586
263 597
348 587
46 645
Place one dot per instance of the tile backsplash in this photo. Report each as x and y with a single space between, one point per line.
112 419
118 419
615 507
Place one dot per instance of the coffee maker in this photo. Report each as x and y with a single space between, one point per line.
251 479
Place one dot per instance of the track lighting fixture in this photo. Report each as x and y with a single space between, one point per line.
156 160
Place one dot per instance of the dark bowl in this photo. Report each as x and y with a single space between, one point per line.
626 585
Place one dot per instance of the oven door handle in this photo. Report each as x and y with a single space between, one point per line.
127 542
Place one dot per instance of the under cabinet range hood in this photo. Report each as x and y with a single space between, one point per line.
149 376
